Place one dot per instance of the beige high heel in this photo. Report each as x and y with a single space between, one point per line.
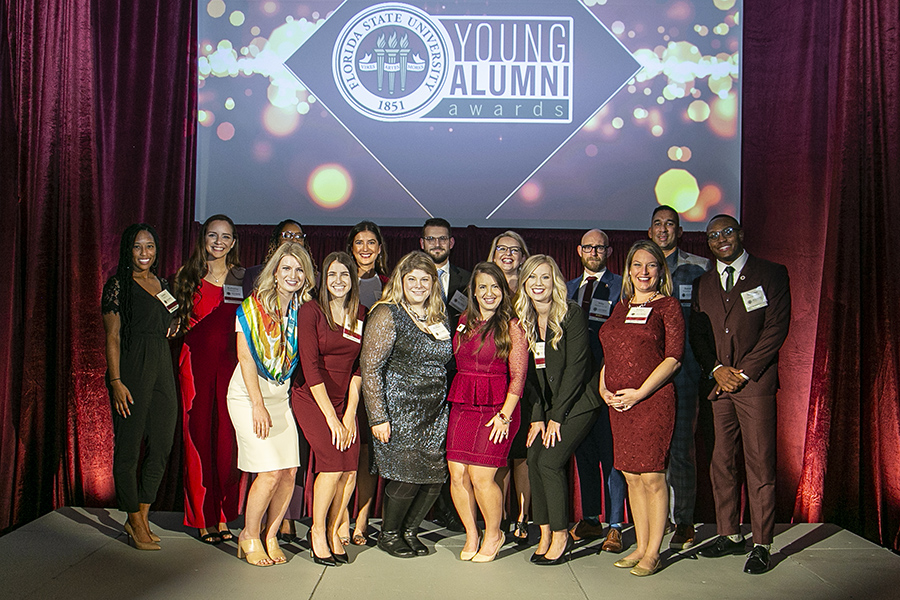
275 552
253 550
466 555
137 543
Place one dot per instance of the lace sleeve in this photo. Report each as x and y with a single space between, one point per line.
518 358
109 302
377 345
673 320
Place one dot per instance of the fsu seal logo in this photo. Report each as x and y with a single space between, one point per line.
391 62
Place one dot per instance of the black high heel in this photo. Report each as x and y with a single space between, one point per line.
325 562
544 561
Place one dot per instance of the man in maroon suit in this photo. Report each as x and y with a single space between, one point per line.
740 315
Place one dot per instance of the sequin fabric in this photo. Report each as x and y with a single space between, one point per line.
405 383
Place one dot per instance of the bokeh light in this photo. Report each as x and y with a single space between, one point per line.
531 192
215 8
236 18
723 117
280 121
229 103
591 150
330 185
677 188
709 196
225 131
698 111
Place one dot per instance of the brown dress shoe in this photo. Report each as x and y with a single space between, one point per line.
585 530
613 541
683 537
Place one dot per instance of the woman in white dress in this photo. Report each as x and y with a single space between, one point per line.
258 397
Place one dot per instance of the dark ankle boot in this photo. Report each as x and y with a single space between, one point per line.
390 539
416 514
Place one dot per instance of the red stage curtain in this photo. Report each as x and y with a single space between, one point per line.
96 123
851 469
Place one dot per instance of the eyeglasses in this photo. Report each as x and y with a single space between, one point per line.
287 235
727 232
589 249
514 250
431 239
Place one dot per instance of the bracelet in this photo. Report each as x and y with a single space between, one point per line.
506 420
116 379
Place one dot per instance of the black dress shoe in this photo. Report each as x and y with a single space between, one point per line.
394 544
414 543
758 562
544 561
722 546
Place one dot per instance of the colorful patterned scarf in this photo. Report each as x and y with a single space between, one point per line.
273 344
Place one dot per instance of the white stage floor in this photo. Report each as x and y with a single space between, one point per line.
78 553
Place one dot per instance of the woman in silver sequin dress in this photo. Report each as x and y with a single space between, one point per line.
406 346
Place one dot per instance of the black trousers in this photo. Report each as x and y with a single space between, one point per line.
547 469
146 370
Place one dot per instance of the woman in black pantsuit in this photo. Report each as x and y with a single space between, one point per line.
137 311
560 393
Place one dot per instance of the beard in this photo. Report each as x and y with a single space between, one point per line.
438 255
593 263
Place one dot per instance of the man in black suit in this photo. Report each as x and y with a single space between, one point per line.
740 315
437 241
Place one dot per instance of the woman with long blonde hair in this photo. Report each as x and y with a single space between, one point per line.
559 394
406 347
259 397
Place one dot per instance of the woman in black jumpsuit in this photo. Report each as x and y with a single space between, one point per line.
136 316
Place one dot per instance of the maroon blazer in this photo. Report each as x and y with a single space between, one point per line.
723 331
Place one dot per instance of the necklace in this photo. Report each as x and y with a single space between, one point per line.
216 279
413 313
646 302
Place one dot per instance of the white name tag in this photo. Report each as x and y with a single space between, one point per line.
168 300
600 310
234 294
459 301
684 292
540 360
638 315
354 333
461 327
754 299
439 331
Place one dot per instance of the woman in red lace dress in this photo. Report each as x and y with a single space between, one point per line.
643 341
208 290
492 361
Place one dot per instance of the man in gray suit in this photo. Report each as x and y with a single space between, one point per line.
665 230
740 315
597 290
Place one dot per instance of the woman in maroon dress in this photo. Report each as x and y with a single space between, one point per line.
208 290
491 361
643 341
330 331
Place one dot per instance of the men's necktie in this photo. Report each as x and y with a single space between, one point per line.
729 281
441 283
588 294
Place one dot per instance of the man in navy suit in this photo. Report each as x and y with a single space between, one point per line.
665 230
740 315
597 290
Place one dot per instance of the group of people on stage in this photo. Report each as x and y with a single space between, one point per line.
431 378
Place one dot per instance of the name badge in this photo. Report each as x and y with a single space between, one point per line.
459 301
439 331
540 360
684 292
638 315
754 299
234 294
168 300
600 310
354 333
461 327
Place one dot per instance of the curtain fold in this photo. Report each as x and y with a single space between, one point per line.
851 471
